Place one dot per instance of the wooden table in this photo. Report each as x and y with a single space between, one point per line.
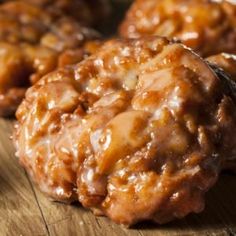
25 211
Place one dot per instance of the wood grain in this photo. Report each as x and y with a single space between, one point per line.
19 210
25 211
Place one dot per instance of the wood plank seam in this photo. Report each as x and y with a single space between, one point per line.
99 225
40 209
19 201
140 233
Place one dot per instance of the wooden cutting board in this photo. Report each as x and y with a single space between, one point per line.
25 211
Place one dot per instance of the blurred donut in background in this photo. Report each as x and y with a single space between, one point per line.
207 26
35 40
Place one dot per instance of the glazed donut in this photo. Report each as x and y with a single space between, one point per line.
225 61
88 12
34 42
207 26
138 131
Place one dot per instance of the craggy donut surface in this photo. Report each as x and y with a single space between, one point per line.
138 131
207 26
89 12
225 61
34 42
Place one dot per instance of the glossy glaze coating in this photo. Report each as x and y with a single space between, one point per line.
207 26
88 12
225 61
33 42
138 131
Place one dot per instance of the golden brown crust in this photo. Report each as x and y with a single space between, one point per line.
21 22
225 61
142 123
67 34
73 56
207 26
88 12
34 42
